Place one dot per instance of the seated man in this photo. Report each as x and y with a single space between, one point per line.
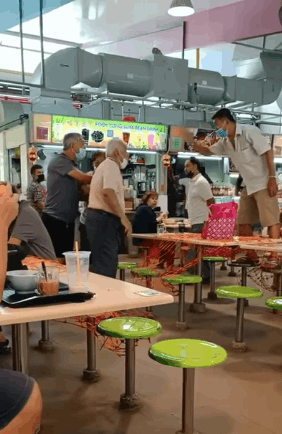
20 397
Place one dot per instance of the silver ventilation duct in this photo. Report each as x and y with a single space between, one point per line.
160 76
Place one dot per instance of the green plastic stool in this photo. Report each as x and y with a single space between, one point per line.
182 280
148 274
213 260
129 328
274 303
122 266
187 354
241 293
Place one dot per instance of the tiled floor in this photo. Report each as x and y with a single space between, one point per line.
241 396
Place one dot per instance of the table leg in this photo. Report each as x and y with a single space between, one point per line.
149 285
198 306
45 344
129 399
238 344
91 373
244 282
188 401
20 347
122 274
181 307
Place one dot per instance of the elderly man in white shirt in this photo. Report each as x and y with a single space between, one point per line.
105 217
253 158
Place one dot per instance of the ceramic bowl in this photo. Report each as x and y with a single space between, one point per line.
23 281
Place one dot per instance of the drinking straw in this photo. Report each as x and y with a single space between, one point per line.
77 264
44 270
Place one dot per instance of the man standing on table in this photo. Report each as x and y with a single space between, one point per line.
253 158
63 194
106 218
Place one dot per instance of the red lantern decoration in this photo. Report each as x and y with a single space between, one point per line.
129 119
32 155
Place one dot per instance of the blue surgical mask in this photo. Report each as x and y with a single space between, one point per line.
81 154
221 133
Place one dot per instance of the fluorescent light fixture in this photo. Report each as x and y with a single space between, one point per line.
278 160
187 155
233 175
130 151
105 42
181 8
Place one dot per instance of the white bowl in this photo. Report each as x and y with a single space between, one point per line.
23 281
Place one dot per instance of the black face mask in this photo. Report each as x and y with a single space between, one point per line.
189 174
40 178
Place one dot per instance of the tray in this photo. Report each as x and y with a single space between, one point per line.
11 299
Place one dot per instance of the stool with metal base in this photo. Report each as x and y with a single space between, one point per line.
278 274
274 303
144 252
187 354
241 293
223 266
149 274
182 280
122 266
244 273
129 328
212 261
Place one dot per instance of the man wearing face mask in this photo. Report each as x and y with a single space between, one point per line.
36 193
199 198
253 158
63 193
105 217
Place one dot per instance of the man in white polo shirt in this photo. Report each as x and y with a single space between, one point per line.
253 158
105 217
199 198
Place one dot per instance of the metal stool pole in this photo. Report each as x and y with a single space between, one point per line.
188 401
244 282
238 344
129 398
181 307
91 373
149 285
211 294
232 272
45 344
198 306
223 266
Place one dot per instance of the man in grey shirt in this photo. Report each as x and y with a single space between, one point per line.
63 194
29 229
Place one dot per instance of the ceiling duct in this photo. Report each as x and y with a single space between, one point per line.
160 76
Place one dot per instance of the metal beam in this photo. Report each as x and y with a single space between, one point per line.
46 39
257 48
41 41
21 37
25 49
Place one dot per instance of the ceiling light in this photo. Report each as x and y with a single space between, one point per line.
181 8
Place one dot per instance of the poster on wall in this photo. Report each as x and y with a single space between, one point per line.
97 132
41 128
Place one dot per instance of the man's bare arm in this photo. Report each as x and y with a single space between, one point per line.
202 148
80 176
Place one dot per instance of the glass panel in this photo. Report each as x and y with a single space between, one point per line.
14 166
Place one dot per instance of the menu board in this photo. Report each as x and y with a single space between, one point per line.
97 132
